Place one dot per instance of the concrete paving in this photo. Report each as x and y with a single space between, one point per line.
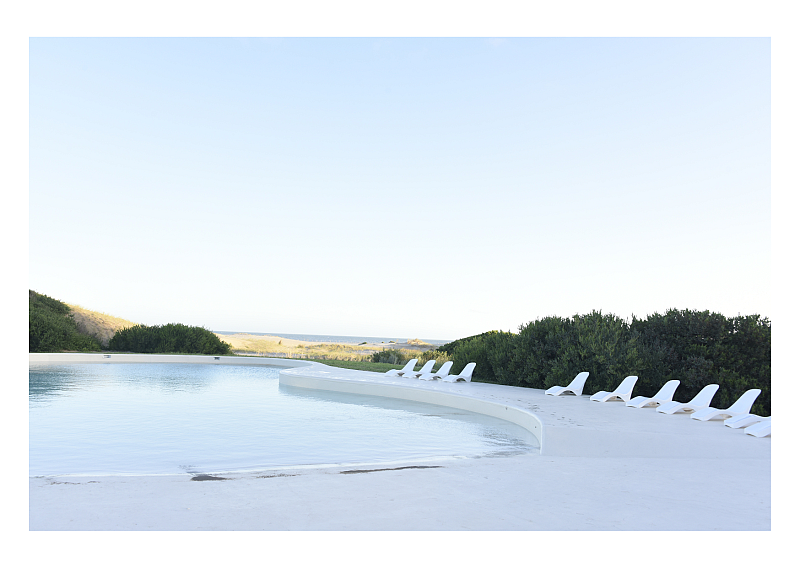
603 467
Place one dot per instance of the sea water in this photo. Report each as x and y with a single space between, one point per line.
150 418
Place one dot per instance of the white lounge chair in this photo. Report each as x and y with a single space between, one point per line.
743 420
760 429
623 391
407 368
740 406
439 374
575 387
700 401
465 376
663 396
427 367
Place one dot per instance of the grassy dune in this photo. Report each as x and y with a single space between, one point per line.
278 347
101 326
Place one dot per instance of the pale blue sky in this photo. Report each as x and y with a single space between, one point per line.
431 188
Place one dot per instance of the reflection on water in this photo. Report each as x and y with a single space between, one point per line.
168 418
45 381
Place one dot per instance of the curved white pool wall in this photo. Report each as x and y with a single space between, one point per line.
313 375
305 378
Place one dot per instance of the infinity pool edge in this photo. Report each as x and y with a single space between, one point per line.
314 375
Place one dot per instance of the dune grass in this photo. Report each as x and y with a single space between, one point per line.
101 326
277 347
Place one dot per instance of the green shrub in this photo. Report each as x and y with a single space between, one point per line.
544 353
173 337
695 347
439 357
490 351
390 356
700 348
397 356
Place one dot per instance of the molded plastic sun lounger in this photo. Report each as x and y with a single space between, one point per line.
465 376
740 406
575 387
700 401
427 367
623 391
409 367
743 420
663 396
439 374
760 429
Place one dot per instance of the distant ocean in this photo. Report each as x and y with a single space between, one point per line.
338 338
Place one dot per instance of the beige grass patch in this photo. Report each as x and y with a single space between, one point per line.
101 326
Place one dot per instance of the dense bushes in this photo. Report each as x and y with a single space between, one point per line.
400 356
172 337
392 356
51 328
700 348
695 347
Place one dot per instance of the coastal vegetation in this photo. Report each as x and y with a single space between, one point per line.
401 356
258 345
695 347
170 338
52 328
55 326
270 346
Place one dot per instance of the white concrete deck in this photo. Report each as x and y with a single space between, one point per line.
602 466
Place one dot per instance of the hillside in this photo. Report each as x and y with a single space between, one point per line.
99 325
51 327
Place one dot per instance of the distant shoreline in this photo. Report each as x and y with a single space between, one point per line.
336 339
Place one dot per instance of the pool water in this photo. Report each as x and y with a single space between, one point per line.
131 418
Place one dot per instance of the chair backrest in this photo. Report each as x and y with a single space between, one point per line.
445 369
427 367
745 401
578 382
667 391
626 386
409 365
467 372
704 396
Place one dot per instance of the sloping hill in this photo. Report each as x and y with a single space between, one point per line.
101 326
51 327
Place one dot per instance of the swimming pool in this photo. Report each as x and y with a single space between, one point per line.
168 418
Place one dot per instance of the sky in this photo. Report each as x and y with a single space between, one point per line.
409 187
